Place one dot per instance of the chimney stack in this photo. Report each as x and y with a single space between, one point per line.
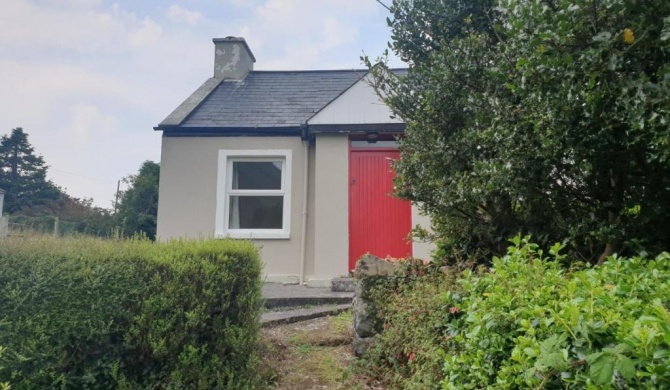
232 58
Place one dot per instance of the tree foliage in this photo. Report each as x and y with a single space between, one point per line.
23 174
548 117
138 207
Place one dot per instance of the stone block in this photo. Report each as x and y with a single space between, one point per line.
363 325
370 265
362 344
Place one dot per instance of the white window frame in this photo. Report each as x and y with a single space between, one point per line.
224 191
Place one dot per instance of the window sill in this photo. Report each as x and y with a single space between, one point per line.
255 235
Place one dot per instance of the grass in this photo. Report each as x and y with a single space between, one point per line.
311 354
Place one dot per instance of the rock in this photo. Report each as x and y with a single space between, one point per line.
362 344
370 265
363 326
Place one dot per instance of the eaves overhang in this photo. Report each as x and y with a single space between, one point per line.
363 128
179 131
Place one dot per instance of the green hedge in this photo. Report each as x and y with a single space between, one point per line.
82 313
530 323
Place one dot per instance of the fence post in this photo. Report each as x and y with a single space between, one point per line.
56 227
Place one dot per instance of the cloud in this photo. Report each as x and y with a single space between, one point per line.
88 121
182 15
305 34
88 81
79 25
241 3
149 32
335 34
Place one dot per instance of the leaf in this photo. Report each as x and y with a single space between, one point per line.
661 354
593 357
603 36
602 369
552 344
618 349
649 320
626 367
554 361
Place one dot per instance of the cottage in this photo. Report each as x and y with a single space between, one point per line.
297 161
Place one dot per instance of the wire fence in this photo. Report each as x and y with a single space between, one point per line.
21 225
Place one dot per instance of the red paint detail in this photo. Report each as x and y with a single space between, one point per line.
378 222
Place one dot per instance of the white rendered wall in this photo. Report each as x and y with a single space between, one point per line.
420 249
360 104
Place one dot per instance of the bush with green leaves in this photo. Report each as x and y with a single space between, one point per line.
529 323
410 313
82 313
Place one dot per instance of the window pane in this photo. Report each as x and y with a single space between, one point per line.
256 212
257 175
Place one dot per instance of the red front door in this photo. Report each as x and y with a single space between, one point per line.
378 222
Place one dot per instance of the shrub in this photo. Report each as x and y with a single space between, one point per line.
81 313
529 323
410 310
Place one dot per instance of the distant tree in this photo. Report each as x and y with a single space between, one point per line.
76 215
138 207
23 174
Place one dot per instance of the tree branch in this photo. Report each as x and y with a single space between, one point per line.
384 5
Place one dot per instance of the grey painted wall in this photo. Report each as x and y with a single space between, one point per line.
331 228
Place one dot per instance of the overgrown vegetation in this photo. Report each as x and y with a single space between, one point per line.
545 117
411 312
528 322
82 313
310 354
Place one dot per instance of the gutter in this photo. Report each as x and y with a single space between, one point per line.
179 131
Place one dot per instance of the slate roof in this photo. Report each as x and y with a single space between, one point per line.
270 99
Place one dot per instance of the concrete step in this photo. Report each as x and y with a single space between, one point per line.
290 316
272 303
277 295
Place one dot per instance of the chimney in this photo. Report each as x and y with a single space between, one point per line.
232 58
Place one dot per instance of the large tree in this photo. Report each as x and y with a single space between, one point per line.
23 174
138 207
547 117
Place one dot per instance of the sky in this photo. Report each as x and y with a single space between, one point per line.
87 80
